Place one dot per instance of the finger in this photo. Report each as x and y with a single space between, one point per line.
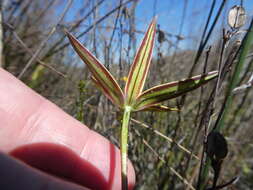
17 175
31 125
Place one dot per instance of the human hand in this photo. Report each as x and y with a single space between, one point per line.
43 136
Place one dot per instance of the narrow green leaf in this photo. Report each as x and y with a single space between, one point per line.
171 90
140 66
157 108
103 77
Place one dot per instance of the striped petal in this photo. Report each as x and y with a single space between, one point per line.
140 66
171 90
102 76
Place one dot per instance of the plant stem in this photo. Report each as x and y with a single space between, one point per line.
246 45
220 123
124 144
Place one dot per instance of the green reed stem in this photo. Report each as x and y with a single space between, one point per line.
246 46
124 146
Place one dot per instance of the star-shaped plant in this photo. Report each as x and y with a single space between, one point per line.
133 98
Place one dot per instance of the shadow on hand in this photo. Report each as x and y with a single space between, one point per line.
62 162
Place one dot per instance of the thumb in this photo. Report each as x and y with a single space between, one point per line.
17 175
42 135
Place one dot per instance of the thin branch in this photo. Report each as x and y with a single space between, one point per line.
89 28
164 136
111 38
163 161
73 27
232 181
31 53
43 43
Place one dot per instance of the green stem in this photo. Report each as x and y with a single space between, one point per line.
124 144
246 45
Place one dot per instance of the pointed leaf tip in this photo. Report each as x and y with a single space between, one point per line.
140 67
102 76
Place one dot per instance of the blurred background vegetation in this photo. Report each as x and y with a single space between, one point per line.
193 37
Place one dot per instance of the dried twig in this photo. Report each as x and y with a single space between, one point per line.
90 27
185 181
31 53
164 136
43 43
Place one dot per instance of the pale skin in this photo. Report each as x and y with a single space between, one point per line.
35 132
